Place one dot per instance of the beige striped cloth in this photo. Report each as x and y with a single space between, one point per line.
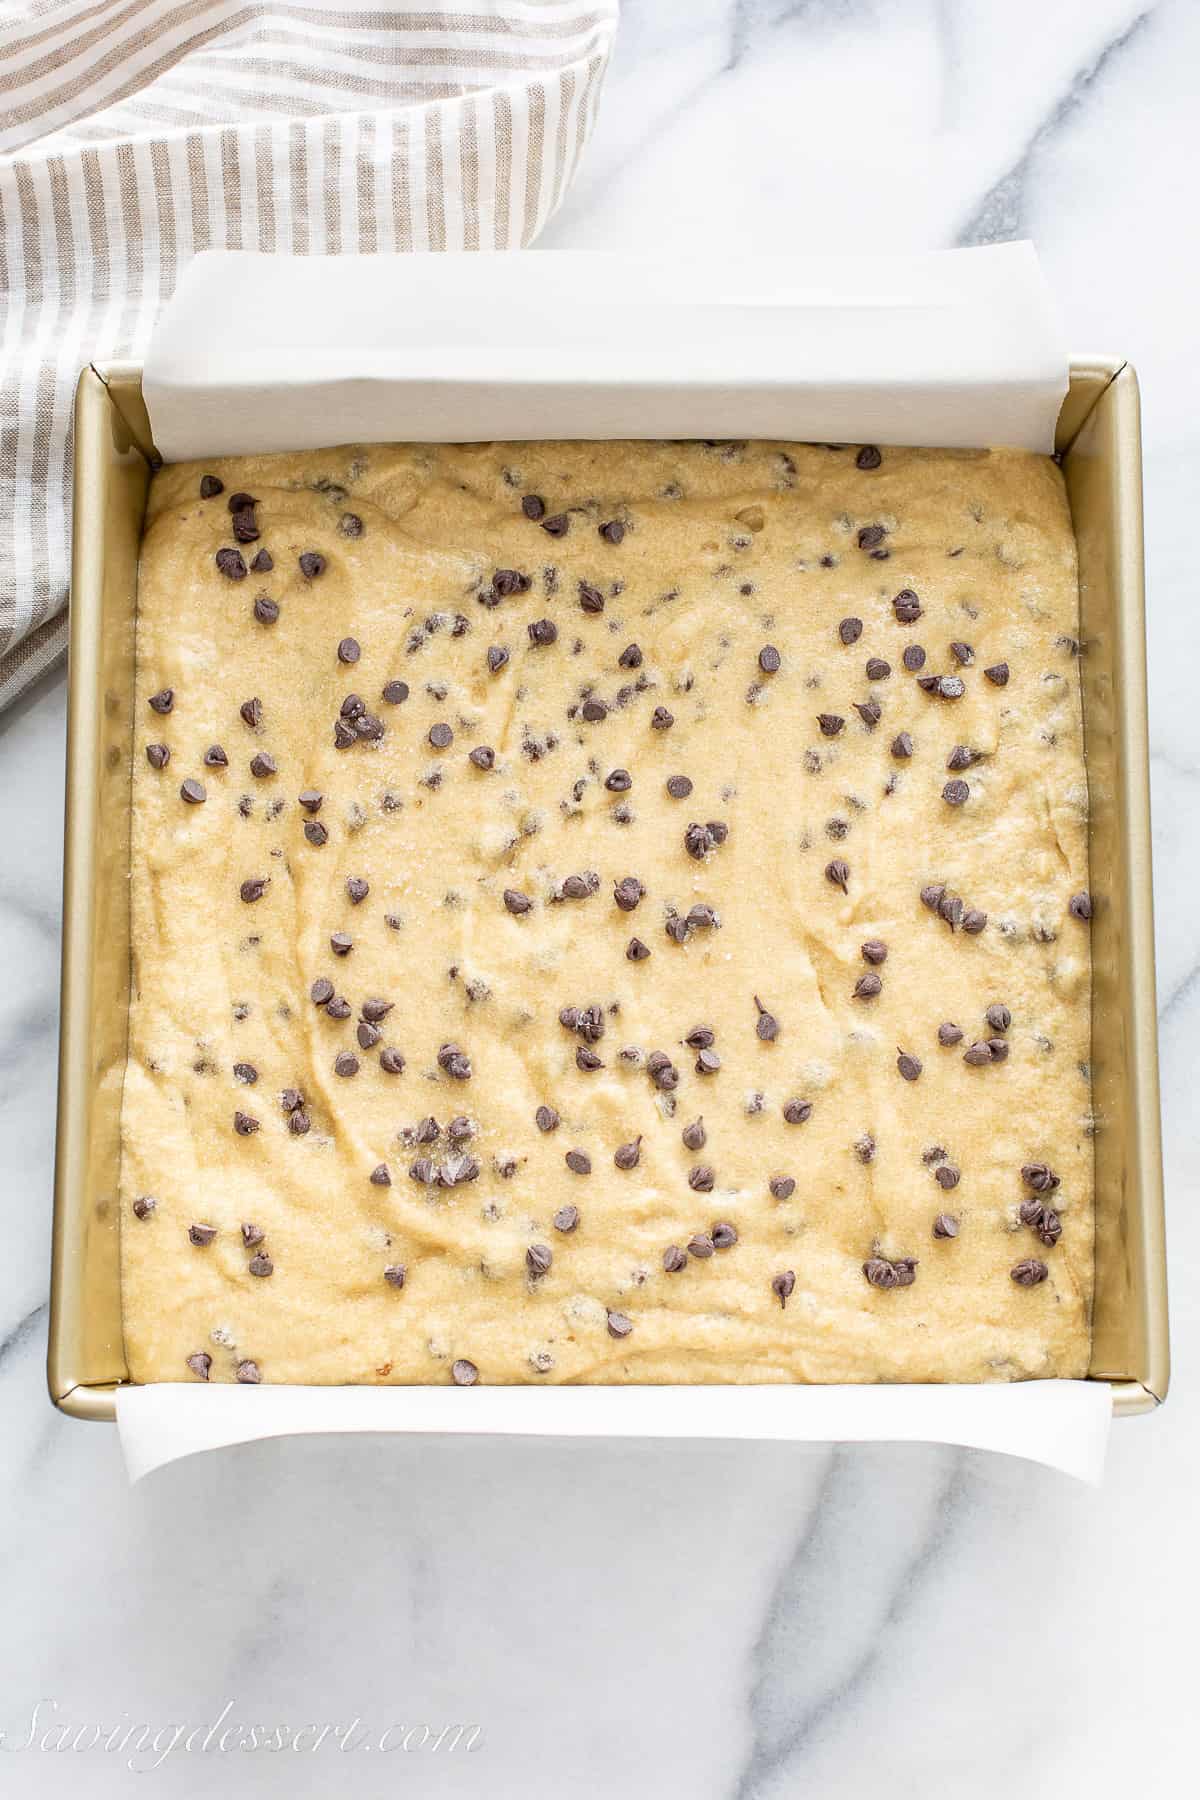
135 132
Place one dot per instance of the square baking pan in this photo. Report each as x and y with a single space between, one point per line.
1099 442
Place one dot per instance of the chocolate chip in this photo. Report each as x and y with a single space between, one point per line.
724 1235
542 631
956 793
869 711
945 1226
870 536
636 951
566 1219
838 872
877 669
830 723
694 1135
1040 1177
546 1118
630 657
628 893
454 1062
909 1066
533 506
349 650
874 951
1080 907
867 987
797 1112
974 921
612 531
587 1060
1029 1272
701 1246
627 1156
579 1162
998 1016
769 659
464 1373
341 943
254 889
517 903
913 658
391 1061
246 1073
367 1034
661 719
557 525
441 736
947 1176
978 1055
193 792
907 608
158 755
850 630
312 564
538 1259
345 1063
674 1259
211 486
163 701
231 563
261 1265
783 1286
423 1170
884 1274
998 674
251 712
339 1008
591 600
766 1028
215 757
202 1235
869 457
262 765
619 1325
902 746
200 1364
316 833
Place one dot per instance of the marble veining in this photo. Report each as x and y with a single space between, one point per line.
701 1621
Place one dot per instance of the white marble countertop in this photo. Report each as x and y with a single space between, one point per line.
678 1620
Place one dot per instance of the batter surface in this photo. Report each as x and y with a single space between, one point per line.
608 913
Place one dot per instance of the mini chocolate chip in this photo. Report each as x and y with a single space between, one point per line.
874 951
867 987
783 1286
315 832
391 1061
948 1034
542 631
517 903
263 563
261 1265
636 951
454 1062
441 736
339 1008
694 1135
956 793
215 757
612 531
947 1176
557 525
902 745
674 1259
998 674
679 786
877 669
945 1226
158 755
869 457
769 659
661 719
321 991
345 1063
702 1246
341 943
566 1219
630 657
423 1170
781 1187
907 607
619 781
997 1049
163 701
202 1235
830 723
211 486
579 1162
627 1156
368 1035
1080 907
395 1274
628 893
246 1073
766 1028
850 630
962 653
231 563
538 1259
998 1016
978 1055
1040 1177
587 1060
546 1118
193 792
619 1325
254 889
464 1373
869 711
252 1235
974 921
251 712
1029 1272
200 1364
312 564
838 873
724 1235
262 765
266 610
870 536
909 1066
591 600
533 506
349 650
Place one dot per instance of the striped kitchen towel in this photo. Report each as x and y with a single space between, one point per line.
135 132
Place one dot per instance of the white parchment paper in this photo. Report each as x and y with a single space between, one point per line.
960 349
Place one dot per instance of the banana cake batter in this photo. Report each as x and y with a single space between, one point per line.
608 913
